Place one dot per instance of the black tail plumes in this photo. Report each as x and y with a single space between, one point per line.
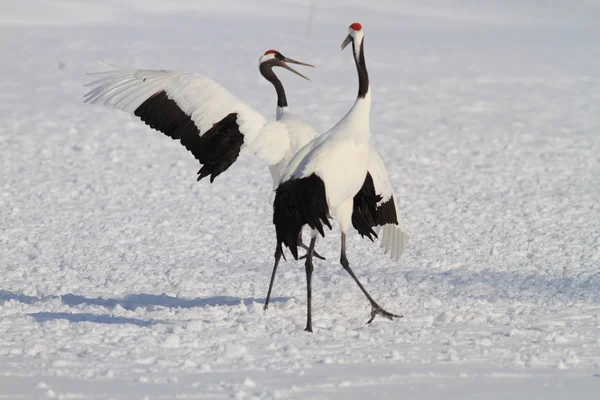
216 150
299 202
364 213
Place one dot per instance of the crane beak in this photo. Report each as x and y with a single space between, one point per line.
286 60
346 41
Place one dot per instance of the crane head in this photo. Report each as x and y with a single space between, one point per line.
355 34
273 58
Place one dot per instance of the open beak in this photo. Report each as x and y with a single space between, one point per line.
346 41
286 60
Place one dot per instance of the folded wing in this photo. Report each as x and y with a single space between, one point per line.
375 209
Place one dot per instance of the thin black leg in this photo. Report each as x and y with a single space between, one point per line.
375 308
309 270
277 258
305 247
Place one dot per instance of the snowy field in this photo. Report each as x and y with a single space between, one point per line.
123 278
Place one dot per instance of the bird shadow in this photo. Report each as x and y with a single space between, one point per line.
134 301
130 302
5 295
42 317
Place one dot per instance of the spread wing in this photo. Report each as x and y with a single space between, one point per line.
205 117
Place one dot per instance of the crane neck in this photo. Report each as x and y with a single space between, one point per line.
266 71
361 68
357 120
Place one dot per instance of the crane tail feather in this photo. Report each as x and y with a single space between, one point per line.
299 202
364 212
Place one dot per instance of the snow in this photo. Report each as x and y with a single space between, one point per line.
123 278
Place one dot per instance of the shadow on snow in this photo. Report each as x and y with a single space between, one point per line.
483 284
42 317
133 301
129 302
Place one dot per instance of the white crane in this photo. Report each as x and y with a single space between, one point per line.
208 120
383 215
214 126
331 175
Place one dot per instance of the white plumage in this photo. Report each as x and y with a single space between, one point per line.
301 134
214 126
338 174
206 102
199 97
339 157
209 121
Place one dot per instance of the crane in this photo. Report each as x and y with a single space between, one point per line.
330 176
214 126
205 117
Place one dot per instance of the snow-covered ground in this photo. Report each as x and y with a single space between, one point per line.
123 278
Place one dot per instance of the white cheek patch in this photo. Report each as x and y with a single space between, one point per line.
358 38
266 57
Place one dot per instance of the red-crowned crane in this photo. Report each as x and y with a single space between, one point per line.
208 120
330 176
214 126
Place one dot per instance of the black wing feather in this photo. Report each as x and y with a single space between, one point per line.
299 202
216 150
366 214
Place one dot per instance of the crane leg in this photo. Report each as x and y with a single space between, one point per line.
309 270
305 247
277 259
376 309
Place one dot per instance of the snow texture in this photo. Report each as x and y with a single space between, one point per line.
123 278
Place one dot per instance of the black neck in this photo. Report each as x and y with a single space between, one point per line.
266 70
361 68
